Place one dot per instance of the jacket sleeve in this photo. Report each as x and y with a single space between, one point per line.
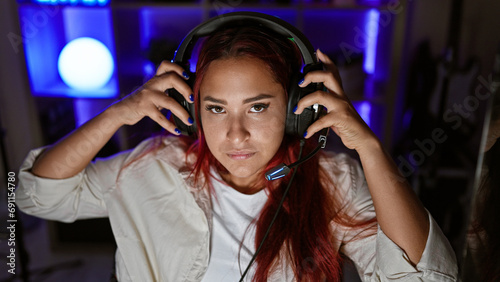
375 256
79 197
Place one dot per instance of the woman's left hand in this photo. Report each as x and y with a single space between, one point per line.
342 117
400 214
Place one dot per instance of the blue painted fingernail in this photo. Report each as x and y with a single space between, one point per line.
305 134
177 131
185 74
295 109
301 81
191 97
190 120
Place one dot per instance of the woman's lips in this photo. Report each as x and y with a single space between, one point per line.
240 155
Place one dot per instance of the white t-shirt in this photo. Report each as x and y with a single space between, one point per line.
233 213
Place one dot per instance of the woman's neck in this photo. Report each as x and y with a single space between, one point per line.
246 185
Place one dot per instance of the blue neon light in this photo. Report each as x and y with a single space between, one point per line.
364 109
85 64
372 22
370 2
148 69
84 110
74 2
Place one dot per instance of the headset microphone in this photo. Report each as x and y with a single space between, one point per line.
283 169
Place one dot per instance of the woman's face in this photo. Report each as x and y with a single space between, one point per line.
243 111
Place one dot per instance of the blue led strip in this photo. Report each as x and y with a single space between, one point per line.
74 2
371 29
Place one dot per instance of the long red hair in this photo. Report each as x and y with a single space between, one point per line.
301 236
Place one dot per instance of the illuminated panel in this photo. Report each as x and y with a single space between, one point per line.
48 30
45 40
73 2
95 23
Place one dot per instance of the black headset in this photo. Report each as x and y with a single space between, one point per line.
295 124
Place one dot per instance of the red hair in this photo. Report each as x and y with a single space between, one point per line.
302 228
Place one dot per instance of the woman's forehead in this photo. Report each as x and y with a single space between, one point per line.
239 78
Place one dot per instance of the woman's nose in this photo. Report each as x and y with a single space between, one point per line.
237 130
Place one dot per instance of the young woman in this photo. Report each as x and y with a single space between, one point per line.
195 209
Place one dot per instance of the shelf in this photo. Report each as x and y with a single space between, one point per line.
240 4
146 32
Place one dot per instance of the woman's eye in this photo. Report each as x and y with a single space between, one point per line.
258 108
215 109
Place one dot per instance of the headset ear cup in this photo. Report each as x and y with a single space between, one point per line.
297 125
188 130
293 99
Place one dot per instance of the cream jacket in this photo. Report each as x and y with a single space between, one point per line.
162 222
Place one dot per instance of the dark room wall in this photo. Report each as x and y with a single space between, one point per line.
17 109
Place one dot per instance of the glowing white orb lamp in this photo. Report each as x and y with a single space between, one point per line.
85 64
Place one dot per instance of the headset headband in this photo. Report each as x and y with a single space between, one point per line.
241 19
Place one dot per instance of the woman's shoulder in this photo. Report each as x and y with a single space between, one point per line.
344 171
339 163
169 149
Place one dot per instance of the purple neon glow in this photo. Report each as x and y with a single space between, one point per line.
371 29
370 2
74 2
86 109
364 109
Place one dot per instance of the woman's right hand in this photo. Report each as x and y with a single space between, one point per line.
151 98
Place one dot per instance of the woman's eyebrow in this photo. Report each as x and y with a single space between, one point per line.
246 101
257 98
212 99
